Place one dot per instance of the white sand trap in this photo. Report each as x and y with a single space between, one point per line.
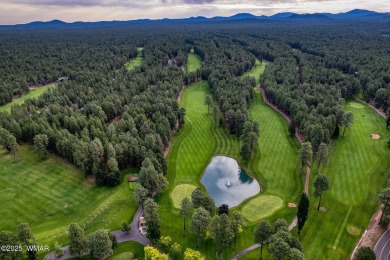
292 205
375 136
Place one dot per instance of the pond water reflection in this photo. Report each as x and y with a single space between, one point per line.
227 183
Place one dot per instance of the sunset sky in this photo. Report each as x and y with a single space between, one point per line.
24 11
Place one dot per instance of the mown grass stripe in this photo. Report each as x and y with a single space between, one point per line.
342 228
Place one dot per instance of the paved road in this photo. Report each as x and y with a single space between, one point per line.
382 247
134 235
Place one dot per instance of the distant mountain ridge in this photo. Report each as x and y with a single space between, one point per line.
356 14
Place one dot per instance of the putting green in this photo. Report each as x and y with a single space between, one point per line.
180 192
261 207
356 105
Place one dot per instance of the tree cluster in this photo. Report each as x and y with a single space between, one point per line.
279 240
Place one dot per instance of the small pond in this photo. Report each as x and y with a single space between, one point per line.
227 183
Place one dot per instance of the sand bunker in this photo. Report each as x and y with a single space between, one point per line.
375 136
292 205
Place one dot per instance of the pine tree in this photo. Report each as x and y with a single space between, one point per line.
303 211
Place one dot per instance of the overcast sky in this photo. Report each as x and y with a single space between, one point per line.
23 11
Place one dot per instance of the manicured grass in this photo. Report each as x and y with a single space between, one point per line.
136 61
261 207
353 230
194 61
180 192
358 168
52 194
256 71
31 94
277 160
200 140
123 251
355 105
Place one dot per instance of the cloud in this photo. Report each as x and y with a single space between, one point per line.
23 11
123 3
198 1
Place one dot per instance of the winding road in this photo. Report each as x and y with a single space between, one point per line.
382 247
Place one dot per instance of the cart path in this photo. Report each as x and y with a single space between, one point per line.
380 112
134 235
255 246
166 151
373 222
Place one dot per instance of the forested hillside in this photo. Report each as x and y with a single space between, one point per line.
106 118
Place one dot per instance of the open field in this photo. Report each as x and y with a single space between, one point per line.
52 194
194 61
31 94
357 169
136 61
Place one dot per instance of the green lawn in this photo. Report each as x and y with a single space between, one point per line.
194 61
358 168
180 192
123 252
199 140
261 207
136 61
52 194
256 71
31 94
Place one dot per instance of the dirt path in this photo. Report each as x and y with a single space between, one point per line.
166 151
380 112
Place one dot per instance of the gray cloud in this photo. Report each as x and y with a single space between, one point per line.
198 1
21 11
124 3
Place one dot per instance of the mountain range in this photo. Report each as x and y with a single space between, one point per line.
356 14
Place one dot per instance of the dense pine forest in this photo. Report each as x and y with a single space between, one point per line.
106 117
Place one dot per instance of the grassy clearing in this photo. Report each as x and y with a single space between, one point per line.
124 251
52 194
358 168
355 105
194 61
180 192
256 71
261 207
135 62
199 140
31 94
